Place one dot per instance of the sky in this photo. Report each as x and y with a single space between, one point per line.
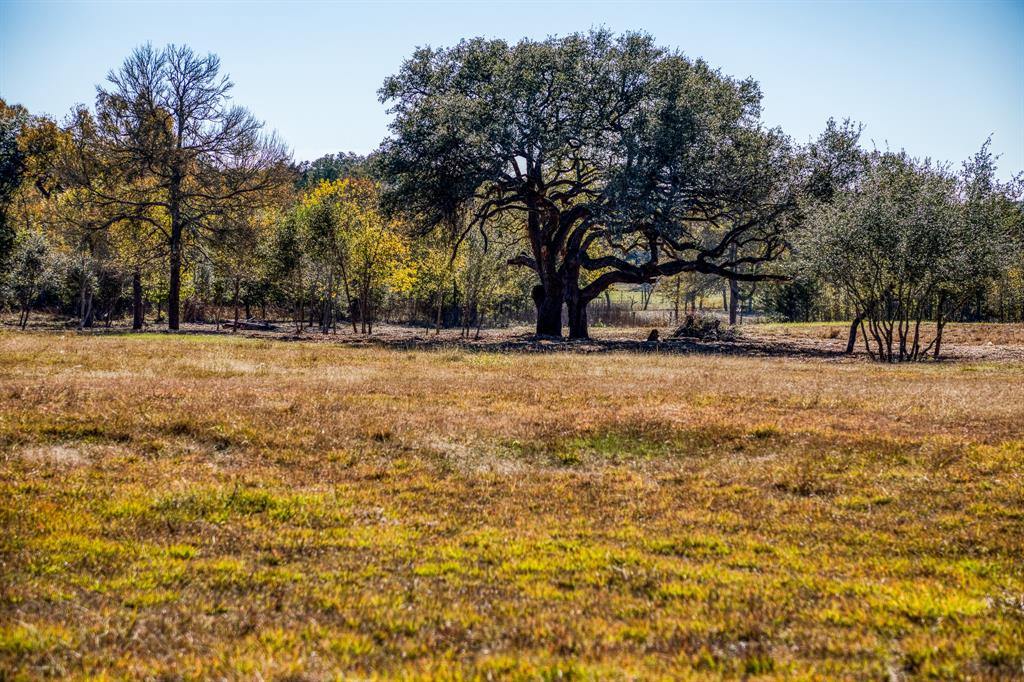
934 78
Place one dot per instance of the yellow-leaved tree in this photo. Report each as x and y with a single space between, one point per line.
355 249
436 276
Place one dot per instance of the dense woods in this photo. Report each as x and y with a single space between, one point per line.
519 182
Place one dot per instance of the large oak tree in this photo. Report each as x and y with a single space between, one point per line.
623 161
514 129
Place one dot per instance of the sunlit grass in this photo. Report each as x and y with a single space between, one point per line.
207 507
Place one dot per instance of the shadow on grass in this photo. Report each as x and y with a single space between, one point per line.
539 344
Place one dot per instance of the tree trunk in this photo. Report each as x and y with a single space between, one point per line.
939 325
87 311
679 284
576 304
734 299
327 309
549 310
365 289
81 297
302 305
548 294
867 346
915 347
234 326
174 290
851 339
440 309
137 309
578 328
353 310
348 295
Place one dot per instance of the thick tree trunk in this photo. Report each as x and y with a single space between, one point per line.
549 311
137 309
578 328
576 304
548 294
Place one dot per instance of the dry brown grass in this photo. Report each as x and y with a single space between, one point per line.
960 340
213 506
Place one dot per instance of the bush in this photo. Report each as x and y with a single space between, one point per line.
703 328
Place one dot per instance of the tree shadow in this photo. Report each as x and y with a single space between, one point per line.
526 344
416 338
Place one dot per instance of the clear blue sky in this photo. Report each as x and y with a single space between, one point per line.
935 78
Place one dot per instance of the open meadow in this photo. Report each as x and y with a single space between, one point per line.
452 341
184 507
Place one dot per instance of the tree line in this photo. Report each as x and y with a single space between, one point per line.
535 174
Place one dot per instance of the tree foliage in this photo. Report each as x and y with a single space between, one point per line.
910 241
538 172
167 147
357 249
619 157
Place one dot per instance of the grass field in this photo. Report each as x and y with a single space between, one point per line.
184 507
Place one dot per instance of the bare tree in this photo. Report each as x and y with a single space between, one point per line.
176 153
